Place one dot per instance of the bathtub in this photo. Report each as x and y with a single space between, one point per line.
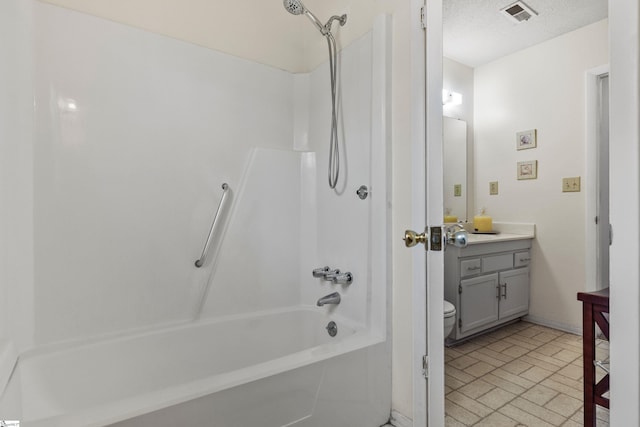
238 342
109 381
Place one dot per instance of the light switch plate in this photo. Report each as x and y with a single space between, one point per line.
493 188
457 190
571 185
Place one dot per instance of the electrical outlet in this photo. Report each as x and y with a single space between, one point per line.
493 188
457 190
571 185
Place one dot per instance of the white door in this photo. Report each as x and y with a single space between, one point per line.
427 210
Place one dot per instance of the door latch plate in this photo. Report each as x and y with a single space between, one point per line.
435 238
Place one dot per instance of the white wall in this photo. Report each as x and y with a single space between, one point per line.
540 88
277 38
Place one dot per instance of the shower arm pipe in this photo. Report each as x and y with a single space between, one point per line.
342 19
326 28
200 262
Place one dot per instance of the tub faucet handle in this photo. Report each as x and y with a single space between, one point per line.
331 274
343 278
321 272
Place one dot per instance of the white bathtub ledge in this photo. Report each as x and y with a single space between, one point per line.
115 411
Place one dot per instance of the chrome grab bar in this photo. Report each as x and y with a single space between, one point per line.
200 262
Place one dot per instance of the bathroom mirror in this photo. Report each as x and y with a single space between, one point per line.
454 138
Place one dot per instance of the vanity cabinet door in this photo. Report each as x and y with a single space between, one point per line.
478 302
514 292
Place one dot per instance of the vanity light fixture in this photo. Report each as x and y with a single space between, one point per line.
451 98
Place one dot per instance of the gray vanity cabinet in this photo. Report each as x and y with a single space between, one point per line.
478 302
514 293
488 283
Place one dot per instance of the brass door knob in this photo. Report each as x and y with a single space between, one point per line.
411 238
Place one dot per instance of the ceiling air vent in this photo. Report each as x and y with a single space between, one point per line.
518 12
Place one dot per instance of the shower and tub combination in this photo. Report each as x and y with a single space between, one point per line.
178 251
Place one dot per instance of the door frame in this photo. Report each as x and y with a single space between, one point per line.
592 77
427 210
624 153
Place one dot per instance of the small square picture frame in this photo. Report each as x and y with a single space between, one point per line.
527 139
528 170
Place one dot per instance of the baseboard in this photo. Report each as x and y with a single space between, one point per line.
399 420
572 329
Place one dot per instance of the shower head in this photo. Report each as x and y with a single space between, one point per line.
295 7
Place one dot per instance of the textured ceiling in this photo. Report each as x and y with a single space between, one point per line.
475 32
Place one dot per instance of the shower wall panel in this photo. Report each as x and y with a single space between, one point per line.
136 133
339 220
16 178
257 265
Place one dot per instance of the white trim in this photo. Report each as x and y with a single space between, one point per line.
399 420
624 150
435 203
381 188
572 329
418 214
590 175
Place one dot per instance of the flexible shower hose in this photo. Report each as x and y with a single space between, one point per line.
334 155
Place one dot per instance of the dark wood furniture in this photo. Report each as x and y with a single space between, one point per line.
594 305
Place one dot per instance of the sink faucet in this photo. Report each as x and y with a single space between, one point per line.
333 298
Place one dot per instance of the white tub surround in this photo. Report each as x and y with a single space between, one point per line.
133 135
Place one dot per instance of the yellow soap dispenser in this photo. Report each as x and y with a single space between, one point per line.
482 223
448 217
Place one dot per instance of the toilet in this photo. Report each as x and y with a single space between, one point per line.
449 318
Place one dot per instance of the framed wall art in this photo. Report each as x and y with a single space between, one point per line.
528 169
527 139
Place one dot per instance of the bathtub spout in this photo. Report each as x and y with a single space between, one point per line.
333 298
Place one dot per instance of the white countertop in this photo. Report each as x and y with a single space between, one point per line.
506 231
475 239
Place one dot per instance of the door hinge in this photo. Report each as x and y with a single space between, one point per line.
425 366
460 289
423 21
